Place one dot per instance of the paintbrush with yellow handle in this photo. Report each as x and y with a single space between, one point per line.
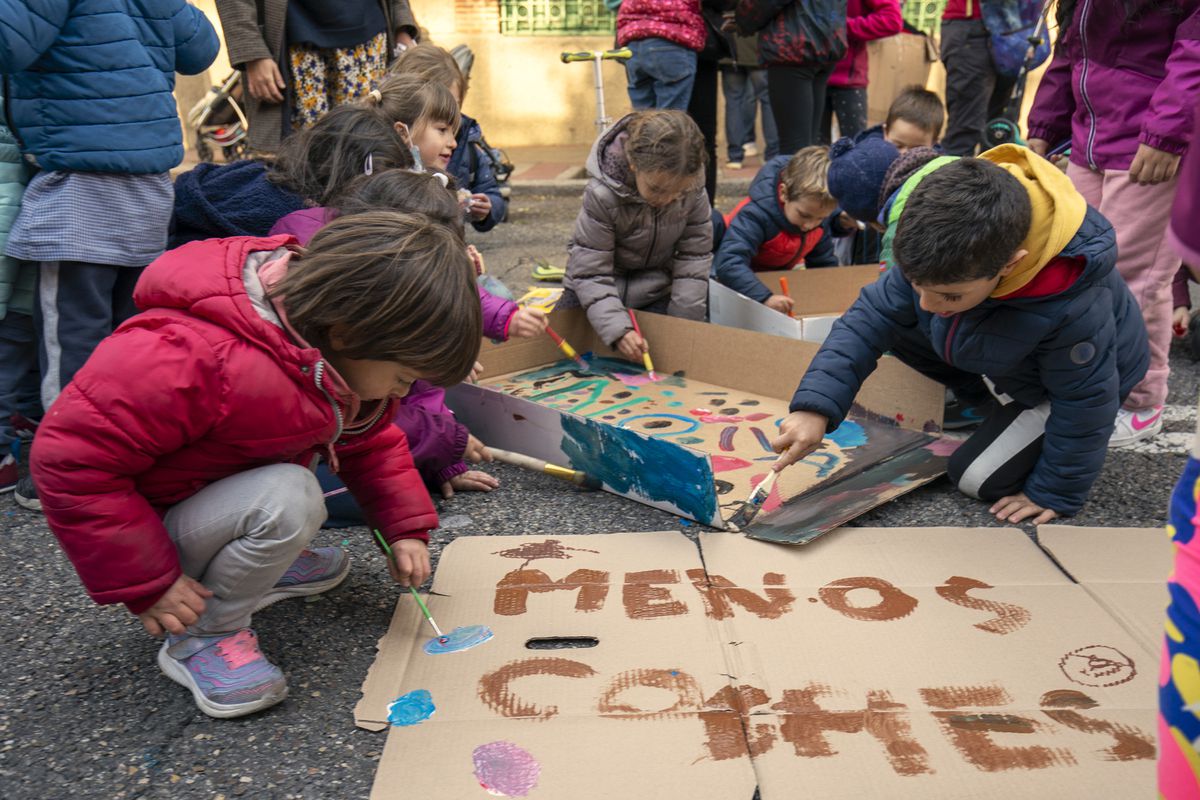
538 465
645 355
749 510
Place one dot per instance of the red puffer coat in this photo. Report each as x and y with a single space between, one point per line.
197 388
677 21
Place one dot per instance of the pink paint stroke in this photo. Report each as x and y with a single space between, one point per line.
506 770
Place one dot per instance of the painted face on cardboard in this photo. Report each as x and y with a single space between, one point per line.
435 141
905 135
658 188
948 299
806 213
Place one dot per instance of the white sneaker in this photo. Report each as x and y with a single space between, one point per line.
734 165
1136 425
749 150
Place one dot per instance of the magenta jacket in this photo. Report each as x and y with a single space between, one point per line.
677 21
866 20
435 438
1184 233
1112 86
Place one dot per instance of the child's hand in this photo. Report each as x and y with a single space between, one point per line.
781 303
1042 147
476 259
480 206
476 451
632 346
181 606
470 481
800 433
409 563
1018 507
527 323
473 375
1151 166
1179 321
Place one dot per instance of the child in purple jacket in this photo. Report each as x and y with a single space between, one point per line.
1122 88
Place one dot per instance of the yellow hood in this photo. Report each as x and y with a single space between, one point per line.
1058 211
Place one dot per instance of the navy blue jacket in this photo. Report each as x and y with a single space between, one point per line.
217 201
90 81
758 222
1084 349
468 158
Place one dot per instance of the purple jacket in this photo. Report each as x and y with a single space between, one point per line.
1184 233
1112 86
437 441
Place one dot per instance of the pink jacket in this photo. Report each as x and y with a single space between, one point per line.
866 20
677 21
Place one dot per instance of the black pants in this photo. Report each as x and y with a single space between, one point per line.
850 105
975 93
999 456
797 100
703 109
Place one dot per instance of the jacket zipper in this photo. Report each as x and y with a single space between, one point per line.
319 379
650 252
950 339
1083 74
358 430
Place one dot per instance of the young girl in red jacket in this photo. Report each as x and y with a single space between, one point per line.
190 498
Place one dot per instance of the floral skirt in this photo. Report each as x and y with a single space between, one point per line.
1179 678
326 77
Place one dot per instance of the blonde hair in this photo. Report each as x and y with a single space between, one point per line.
432 63
416 102
665 141
806 174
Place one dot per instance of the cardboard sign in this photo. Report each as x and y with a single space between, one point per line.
899 663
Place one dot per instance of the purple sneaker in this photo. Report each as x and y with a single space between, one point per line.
227 674
316 570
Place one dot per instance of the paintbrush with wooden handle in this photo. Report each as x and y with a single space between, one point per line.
538 465
749 510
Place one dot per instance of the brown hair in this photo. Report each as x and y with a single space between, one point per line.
919 106
397 287
432 63
411 99
665 141
806 174
409 192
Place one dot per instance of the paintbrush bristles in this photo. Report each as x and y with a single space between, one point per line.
749 510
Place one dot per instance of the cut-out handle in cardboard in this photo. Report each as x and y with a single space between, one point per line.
561 642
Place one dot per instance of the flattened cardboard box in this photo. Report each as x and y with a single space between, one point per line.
687 443
898 663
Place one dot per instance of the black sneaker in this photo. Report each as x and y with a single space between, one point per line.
960 416
26 494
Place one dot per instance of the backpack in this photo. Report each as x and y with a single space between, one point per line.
1010 24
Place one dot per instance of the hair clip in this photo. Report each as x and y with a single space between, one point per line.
443 178
369 164
376 96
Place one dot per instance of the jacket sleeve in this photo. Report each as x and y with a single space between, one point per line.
243 36
1167 125
1181 297
692 261
28 29
748 231
823 253
403 19
496 314
100 436
196 42
881 19
485 183
853 347
436 441
378 469
1054 104
590 266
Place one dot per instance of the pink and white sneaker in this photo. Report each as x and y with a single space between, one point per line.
227 674
316 570
1136 425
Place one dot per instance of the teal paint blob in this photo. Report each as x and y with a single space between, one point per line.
411 709
848 434
459 639
674 403
689 440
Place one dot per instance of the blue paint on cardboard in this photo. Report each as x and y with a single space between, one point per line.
848 434
412 708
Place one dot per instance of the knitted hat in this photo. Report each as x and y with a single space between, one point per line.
902 169
856 170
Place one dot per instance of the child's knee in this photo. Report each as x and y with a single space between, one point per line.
298 500
956 470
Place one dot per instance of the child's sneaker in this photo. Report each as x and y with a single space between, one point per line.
315 571
749 150
227 674
25 493
1135 426
733 165
25 426
8 474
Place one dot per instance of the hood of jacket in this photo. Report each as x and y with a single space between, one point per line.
223 200
607 162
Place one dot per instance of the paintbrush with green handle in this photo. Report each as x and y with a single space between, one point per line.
749 510
538 465
387 548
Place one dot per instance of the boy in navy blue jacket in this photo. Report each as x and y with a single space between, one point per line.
1003 273
780 225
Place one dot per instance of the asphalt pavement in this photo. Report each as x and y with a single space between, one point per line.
85 712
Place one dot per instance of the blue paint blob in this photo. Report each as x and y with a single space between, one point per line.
675 404
689 440
459 639
411 709
631 463
848 434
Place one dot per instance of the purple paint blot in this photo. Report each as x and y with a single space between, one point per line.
506 770
635 380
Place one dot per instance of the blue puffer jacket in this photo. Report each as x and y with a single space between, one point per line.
1084 349
758 222
16 282
472 168
91 81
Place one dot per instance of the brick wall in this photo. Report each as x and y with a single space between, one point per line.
477 16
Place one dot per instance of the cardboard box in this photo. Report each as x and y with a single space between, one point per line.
897 663
821 295
686 443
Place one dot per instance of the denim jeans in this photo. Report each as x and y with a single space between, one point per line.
19 375
745 91
660 74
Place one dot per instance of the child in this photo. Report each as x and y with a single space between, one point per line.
857 168
778 226
1003 271
914 119
190 499
423 112
643 238
846 95
469 164
665 36
1122 86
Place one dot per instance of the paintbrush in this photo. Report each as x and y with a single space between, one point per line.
566 348
783 286
387 548
646 355
538 465
749 510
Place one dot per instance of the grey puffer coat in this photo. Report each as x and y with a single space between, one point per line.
625 253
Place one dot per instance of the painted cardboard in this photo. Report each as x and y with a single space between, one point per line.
685 444
899 663
1125 569
821 296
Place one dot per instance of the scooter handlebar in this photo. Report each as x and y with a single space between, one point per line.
623 54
